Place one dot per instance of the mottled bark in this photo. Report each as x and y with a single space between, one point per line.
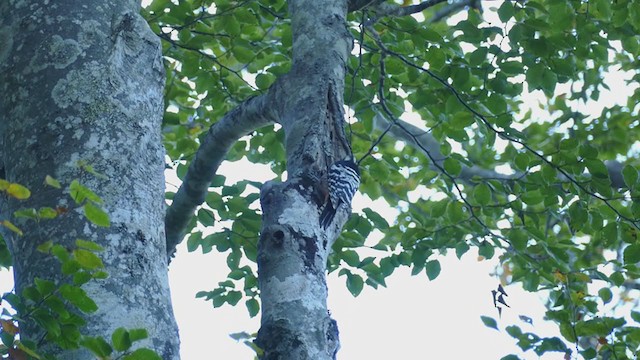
82 83
293 249
249 116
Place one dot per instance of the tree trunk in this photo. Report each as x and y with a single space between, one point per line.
82 84
293 248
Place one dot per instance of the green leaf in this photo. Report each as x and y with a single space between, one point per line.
78 297
482 194
597 168
455 212
120 339
9 225
47 213
243 54
486 250
435 57
81 278
96 215
28 213
52 182
142 354
264 80
632 254
519 239
32 293
205 217
605 294
48 322
489 322
510 357
5 256
378 221
253 306
433 269
138 334
350 257
233 297
496 104
355 284
89 245
60 252
45 287
461 248
233 259
617 278
79 193
70 267
610 233
506 11
241 336
630 175
18 191
194 241
461 120
512 67
87 259
97 345
45 246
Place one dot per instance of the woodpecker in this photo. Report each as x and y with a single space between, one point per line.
343 182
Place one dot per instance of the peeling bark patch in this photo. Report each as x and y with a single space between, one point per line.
278 336
278 237
140 237
333 337
309 249
56 52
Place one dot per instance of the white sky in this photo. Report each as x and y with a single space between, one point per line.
410 319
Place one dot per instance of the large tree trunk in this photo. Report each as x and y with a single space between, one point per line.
82 84
293 248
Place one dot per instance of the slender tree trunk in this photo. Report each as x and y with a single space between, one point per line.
82 85
293 249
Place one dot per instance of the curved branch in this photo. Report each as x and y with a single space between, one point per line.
422 140
453 8
250 115
355 5
392 9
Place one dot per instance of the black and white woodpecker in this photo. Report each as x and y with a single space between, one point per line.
343 181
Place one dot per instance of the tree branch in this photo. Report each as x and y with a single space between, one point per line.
392 9
355 5
248 116
454 7
422 140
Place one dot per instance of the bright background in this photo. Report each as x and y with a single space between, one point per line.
413 318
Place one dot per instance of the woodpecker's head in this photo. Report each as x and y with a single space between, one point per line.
349 161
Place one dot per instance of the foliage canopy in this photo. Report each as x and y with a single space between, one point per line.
476 121
503 150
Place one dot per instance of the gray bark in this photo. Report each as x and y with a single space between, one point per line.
293 249
82 82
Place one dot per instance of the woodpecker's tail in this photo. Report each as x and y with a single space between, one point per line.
327 216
